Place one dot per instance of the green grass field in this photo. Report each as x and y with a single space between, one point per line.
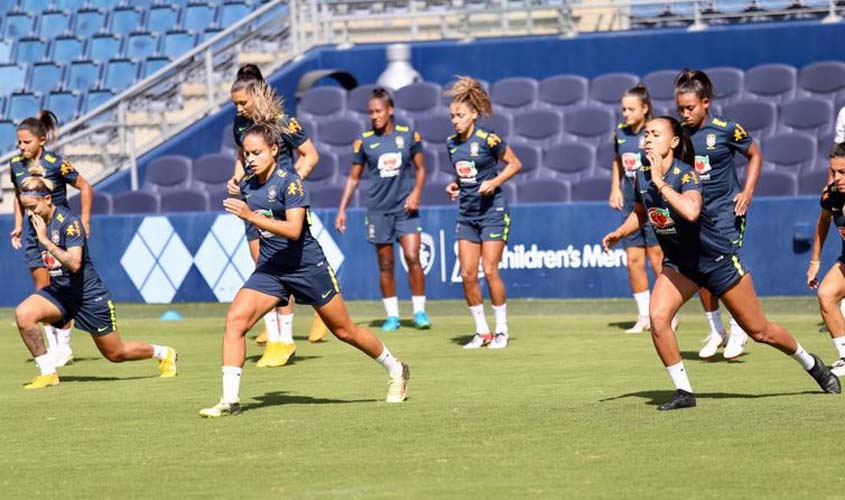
567 411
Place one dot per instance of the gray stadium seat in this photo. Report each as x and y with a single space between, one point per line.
822 79
811 115
605 153
825 145
538 126
727 82
215 199
435 129
434 194
789 152
531 158
8 136
812 182
358 98
418 99
321 102
101 204
326 196
607 89
500 123
543 191
514 94
212 171
563 91
757 116
775 82
590 189
569 161
593 124
167 173
776 184
339 132
184 200
326 168
135 202
661 88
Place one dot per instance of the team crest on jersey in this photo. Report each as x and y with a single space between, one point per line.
389 164
711 141
702 164
73 229
660 218
66 168
295 187
400 142
55 237
474 147
272 192
739 133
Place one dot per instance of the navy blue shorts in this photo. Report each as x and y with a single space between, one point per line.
733 228
315 289
32 254
718 280
643 237
492 227
93 313
385 228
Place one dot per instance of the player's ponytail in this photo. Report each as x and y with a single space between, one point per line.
247 75
36 186
838 150
641 92
268 106
469 91
684 151
696 82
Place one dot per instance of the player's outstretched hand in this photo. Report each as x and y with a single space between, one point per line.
813 274
237 207
610 240
16 237
741 202
487 188
340 222
452 190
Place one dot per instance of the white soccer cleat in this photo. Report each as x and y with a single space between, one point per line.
643 324
675 323
500 341
735 345
397 389
62 357
838 367
712 344
479 340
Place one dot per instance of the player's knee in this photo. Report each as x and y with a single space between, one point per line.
469 275
491 271
412 259
25 317
115 355
660 319
344 333
829 297
636 260
237 322
763 334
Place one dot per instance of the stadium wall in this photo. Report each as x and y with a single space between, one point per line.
553 251
638 52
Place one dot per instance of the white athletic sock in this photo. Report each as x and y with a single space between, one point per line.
271 323
679 376
62 337
159 351
231 384
735 328
839 344
419 303
842 306
51 338
480 321
390 363
501 315
714 319
391 306
286 328
46 364
642 299
802 357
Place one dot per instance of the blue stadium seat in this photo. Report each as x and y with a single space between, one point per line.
811 115
161 18
232 12
789 152
45 77
53 23
568 160
540 127
177 43
543 191
757 116
661 88
434 194
215 199
197 17
591 123
777 184
103 47
435 129
825 145
321 102
96 98
167 173
209 33
71 5
446 100
775 82
184 200
358 98
811 183
8 136
605 154
66 48
728 83
822 79
153 64
125 19
35 6
65 105
135 202
590 189
500 123
120 74
101 204
339 133
514 94
326 168
731 6
12 78
18 25
607 89
141 45
23 105
212 171
31 50
418 99
563 91
5 51
531 158
83 75
326 196
89 22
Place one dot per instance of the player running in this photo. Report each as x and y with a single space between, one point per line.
483 217
698 253
716 140
75 291
642 244
290 262
33 135
256 100
392 154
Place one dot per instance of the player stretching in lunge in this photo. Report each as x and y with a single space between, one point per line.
290 262
75 291
698 254
392 154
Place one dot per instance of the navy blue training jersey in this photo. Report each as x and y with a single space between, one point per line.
833 201
715 144
389 161
294 137
283 190
66 231
475 161
629 149
56 169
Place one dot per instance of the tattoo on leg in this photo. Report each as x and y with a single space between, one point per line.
34 340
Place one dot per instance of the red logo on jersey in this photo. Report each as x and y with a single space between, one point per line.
660 218
50 262
842 232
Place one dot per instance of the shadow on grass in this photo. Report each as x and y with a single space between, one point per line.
376 323
304 338
296 359
463 339
278 398
85 378
622 325
659 397
718 358
75 360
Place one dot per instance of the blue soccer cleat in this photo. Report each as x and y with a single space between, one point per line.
391 324
421 321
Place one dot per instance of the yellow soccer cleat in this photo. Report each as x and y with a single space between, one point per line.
261 339
43 381
221 409
319 330
167 366
276 354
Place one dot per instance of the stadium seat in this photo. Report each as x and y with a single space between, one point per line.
509 190
776 184
135 202
727 83
232 12
101 204
18 25
607 89
12 78
757 116
543 191
184 200
23 105
590 189
434 194
530 156
593 124
823 79
569 161
120 74
125 19
514 94
88 22
227 140
775 82
161 18
8 136
215 199
83 75
69 4
309 127
358 98
45 77
435 129
177 43
196 17
326 168
538 126
5 51
140 45
418 99
812 182
53 23
103 47
661 89
96 98
811 115
789 152
167 173
326 196
35 6
209 33
65 105
825 145
563 92
340 132
30 50
211 171
500 123
67 48
153 64
321 102
605 154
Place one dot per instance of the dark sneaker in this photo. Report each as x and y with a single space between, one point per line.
824 377
681 399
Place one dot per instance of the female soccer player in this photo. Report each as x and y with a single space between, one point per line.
392 154
483 217
628 143
832 287
75 291
33 136
256 100
290 261
716 140
698 254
